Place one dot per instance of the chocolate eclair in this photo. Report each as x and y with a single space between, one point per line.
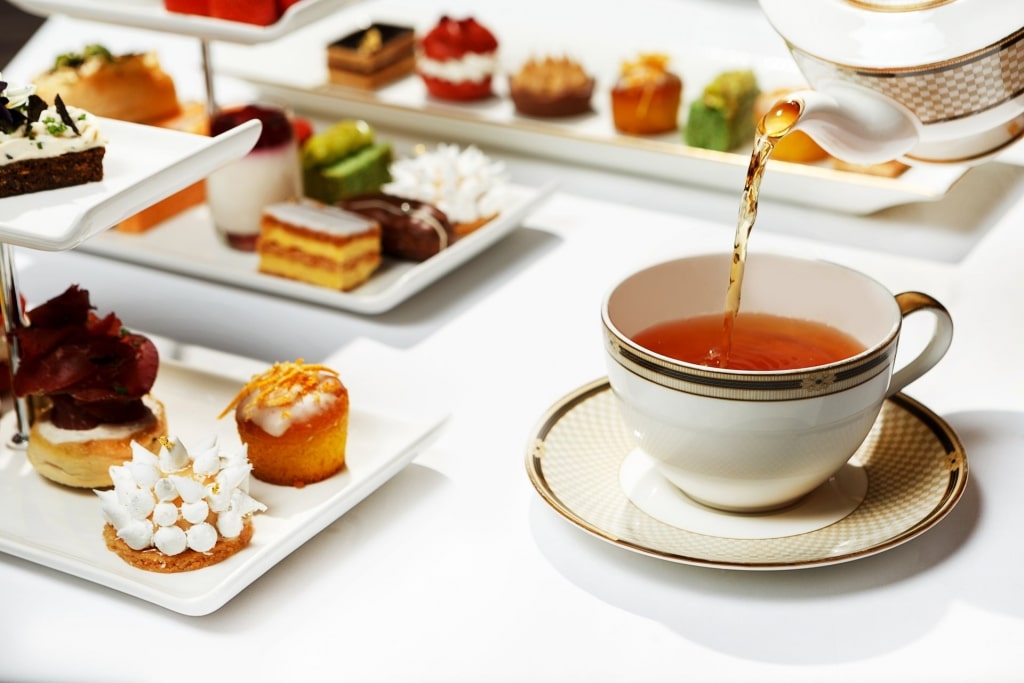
410 229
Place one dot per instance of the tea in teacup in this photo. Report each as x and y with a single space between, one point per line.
756 341
753 439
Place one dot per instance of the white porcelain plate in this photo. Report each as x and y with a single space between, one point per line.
150 14
915 467
142 165
188 244
61 528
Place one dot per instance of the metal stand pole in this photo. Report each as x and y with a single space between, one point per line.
211 99
14 318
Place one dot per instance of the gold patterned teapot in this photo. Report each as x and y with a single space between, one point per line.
935 81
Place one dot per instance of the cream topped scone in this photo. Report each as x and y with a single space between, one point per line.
178 510
464 183
294 420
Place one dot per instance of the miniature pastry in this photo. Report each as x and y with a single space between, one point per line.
646 96
722 118
463 183
238 191
91 379
796 146
457 59
410 229
319 244
551 87
129 87
46 147
344 161
372 57
294 420
175 510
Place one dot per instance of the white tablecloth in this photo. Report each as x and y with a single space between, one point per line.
456 570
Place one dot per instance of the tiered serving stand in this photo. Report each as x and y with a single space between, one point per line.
143 164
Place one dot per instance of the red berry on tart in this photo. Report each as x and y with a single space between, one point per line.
457 59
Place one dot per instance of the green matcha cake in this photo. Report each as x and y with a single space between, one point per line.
344 161
723 117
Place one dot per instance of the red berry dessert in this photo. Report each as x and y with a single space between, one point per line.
457 59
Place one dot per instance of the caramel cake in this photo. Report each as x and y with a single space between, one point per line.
44 147
175 510
319 244
646 97
372 57
294 420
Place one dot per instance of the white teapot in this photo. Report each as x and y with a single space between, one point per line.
938 81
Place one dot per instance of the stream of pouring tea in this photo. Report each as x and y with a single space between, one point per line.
775 124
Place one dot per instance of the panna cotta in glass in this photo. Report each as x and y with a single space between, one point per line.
237 192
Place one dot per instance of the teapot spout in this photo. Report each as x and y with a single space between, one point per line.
855 124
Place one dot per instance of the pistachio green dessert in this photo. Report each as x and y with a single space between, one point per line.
344 161
722 118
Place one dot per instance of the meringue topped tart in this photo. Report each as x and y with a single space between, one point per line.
178 510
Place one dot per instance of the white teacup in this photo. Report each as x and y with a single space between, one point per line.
751 441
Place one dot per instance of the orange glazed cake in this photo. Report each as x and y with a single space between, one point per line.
319 244
294 420
177 510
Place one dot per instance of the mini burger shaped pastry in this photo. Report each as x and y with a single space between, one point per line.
91 381
457 59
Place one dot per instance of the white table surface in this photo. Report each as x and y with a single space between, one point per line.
456 570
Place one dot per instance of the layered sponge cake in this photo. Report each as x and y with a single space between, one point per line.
319 244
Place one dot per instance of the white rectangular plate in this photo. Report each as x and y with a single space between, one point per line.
142 165
150 14
61 528
294 70
188 244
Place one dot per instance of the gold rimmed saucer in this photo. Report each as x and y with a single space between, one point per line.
916 472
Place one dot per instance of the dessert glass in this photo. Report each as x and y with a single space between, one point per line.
236 193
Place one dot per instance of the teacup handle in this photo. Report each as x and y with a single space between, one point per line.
912 302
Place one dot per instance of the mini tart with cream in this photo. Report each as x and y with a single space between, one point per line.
646 97
294 420
90 378
457 59
178 510
464 183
